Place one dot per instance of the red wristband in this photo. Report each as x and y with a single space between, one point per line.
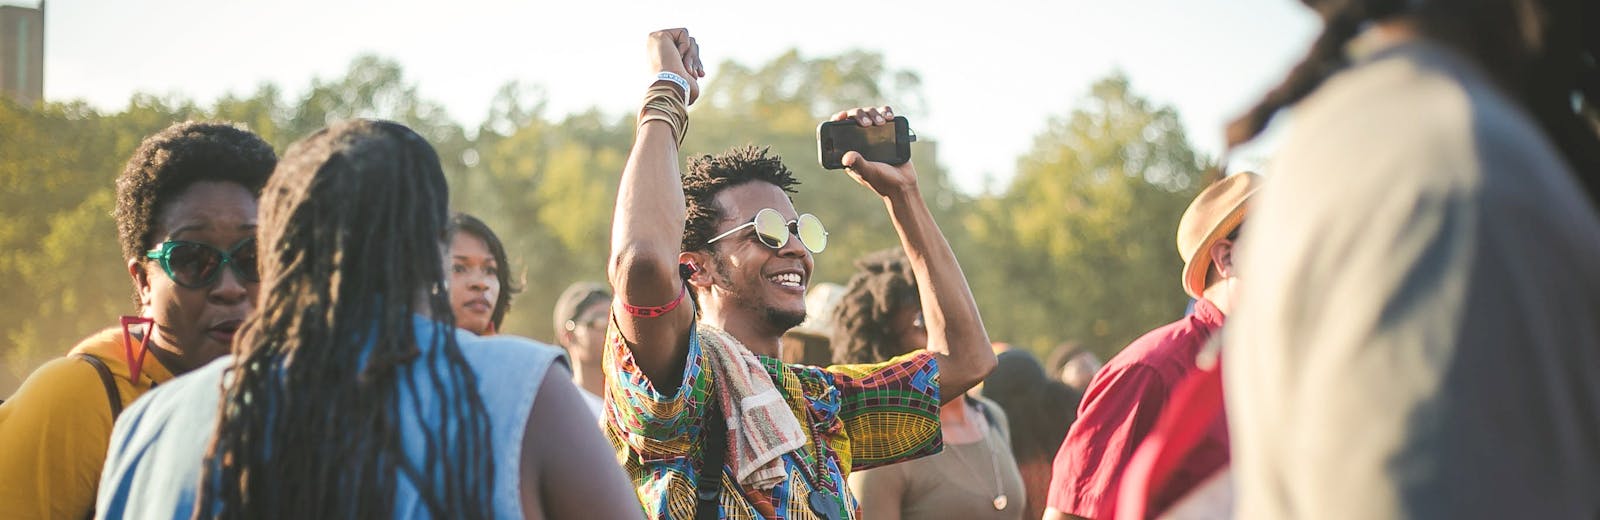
657 311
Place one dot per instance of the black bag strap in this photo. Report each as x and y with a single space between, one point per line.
708 488
105 379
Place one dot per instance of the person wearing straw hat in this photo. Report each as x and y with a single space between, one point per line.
1126 397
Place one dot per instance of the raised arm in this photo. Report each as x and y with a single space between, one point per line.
955 331
647 226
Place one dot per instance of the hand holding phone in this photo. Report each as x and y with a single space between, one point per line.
876 134
882 164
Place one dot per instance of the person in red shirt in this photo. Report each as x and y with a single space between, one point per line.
1126 397
1181 469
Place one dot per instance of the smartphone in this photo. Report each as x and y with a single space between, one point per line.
888 143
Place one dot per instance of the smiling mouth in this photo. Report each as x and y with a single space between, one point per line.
789 280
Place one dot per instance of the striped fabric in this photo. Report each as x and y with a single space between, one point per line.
866 416
761 426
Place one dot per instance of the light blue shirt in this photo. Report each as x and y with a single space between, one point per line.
158 445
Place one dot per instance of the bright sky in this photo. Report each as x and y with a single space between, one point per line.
993 71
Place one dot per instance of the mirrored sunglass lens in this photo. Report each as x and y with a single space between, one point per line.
771 228
193 264
812 233
246 261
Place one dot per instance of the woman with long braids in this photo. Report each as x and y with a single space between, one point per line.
1423 333
350 394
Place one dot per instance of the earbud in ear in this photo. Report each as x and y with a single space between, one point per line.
687 269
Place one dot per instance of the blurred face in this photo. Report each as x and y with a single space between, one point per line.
474 283
587 336
751 281
1080 370
909 330
197 319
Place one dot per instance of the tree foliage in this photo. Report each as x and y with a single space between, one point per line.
1087 229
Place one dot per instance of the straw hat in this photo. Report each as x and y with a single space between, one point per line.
820 301
1211 217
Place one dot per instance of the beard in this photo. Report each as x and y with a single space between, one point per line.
745 294
783 320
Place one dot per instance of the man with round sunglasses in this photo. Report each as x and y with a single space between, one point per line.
706 419
773 231
186 217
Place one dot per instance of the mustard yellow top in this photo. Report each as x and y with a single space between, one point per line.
55 428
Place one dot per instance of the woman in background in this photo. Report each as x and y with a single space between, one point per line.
480 276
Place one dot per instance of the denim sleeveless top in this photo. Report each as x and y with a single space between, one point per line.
158 446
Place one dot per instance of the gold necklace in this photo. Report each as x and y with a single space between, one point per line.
1000 499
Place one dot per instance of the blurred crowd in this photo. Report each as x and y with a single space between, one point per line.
1408 307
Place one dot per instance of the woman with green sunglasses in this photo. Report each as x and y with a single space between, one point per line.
186 217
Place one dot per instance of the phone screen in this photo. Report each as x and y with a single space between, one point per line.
885 143
876 143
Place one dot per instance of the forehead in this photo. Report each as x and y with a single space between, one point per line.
740 203
595 308
207 204
468 244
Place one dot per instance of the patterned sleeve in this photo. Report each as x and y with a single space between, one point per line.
651 423
890 410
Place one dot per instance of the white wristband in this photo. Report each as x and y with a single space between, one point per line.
676 80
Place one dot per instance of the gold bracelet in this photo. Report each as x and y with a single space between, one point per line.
668 105
659 112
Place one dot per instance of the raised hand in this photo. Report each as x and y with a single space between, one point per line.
673 50
884 179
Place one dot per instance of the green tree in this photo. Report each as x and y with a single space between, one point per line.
1081 245
547 189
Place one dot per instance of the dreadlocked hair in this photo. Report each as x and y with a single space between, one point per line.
882 285
1544 53
352 222
708 175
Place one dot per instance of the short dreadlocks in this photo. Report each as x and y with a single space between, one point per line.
708 175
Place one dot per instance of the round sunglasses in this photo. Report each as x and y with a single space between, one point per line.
773 231
197 266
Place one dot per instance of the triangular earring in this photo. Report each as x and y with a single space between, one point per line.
136 364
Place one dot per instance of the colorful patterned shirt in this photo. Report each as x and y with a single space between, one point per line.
865 415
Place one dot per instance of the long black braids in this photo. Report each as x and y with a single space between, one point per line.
1545 53
352 228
